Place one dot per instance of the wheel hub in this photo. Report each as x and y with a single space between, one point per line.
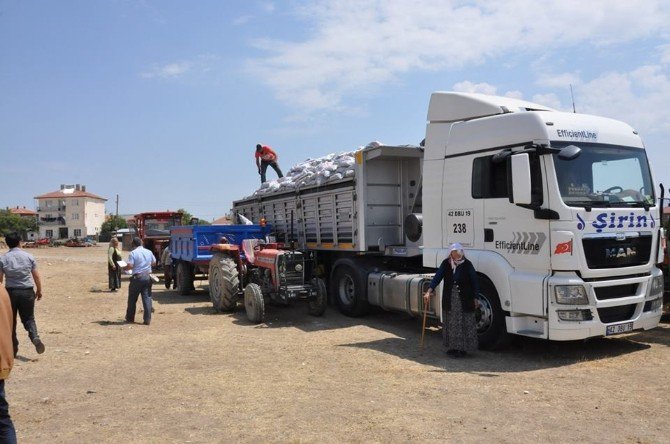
483 314
346 289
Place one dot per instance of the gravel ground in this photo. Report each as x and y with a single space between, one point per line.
198 376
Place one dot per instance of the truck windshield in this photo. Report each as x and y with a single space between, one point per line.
159 227
605 176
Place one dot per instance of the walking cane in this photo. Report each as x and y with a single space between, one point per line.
423 327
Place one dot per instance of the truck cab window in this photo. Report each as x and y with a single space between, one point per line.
489 179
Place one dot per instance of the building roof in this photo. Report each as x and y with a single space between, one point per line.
68 192
224 220
23 211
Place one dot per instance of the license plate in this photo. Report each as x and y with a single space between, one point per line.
619 328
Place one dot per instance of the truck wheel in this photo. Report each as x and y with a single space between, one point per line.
184 278
317 306
254 303
491 327
349 289
224 282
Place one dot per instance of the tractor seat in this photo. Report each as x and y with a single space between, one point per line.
248 247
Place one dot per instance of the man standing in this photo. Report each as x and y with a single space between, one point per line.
7 431
140 261
20 269
266 156
168 269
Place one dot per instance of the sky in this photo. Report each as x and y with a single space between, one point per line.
163 102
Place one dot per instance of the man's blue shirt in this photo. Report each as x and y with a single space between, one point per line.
141 258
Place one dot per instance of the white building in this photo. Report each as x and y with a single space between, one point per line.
70 212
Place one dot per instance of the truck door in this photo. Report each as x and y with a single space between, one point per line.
515 233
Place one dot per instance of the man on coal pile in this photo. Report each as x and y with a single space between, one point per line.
266 156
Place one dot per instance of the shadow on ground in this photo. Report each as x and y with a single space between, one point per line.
164 296
524 354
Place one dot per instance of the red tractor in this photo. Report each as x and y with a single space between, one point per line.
263 271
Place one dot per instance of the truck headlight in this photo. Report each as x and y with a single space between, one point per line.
571 295
656 286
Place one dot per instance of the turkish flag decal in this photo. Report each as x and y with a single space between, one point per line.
564 247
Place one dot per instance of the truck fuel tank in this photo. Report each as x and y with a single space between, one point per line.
400 292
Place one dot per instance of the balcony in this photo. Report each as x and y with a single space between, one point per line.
50 221
59 209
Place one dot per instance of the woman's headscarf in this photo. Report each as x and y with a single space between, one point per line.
458 248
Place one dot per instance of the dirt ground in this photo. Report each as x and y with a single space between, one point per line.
198 376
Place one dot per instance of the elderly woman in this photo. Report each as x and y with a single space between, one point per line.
458 302
113 269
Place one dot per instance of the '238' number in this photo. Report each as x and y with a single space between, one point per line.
460 228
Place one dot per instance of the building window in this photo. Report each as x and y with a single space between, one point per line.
77 232
49 203
75 216
49 233
75 202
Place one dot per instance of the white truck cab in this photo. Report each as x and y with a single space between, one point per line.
557 212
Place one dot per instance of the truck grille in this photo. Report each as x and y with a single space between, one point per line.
615 292
610 253
288 275
616 314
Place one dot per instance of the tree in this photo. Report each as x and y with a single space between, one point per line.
187 217
10 223
112 223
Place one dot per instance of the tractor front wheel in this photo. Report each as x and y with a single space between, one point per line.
317 305
254 303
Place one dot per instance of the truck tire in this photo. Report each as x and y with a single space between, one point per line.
184 278
254 303
349 288
491 326
224 282
317 306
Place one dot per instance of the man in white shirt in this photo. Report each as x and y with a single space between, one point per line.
140 261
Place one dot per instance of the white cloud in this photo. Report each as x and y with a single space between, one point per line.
549 99
242 20
357 43
167 71
665 54
469 87
179 69
563 80
636 97
268 7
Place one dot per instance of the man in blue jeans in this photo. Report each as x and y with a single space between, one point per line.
23 283
140 262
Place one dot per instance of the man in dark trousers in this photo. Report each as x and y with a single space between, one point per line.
140 261
7 431
266 156
20 271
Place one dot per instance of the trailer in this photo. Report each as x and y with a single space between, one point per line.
557 212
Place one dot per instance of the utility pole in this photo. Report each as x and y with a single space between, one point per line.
117 205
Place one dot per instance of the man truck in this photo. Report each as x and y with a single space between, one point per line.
557 212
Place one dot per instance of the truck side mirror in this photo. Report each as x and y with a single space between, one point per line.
520 179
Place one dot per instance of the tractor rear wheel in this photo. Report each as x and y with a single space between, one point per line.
224 282
317 305
254 303
184 278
